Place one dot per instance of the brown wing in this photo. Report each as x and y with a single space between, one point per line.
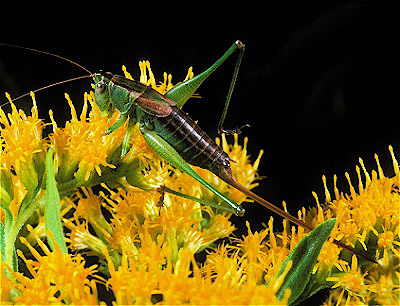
148 99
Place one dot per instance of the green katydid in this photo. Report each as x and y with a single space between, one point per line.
171 133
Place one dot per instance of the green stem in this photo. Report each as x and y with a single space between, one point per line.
16 226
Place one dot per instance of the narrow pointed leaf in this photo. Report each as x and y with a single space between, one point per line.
304 257
52 213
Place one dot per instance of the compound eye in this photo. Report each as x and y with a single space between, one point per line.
100 87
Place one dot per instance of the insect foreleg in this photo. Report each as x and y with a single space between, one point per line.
120 121
167 152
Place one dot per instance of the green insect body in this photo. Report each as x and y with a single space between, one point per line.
165 127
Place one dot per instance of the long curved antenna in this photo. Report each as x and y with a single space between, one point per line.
54 55
48 53
296 221
48 86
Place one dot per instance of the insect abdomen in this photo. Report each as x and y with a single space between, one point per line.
190 141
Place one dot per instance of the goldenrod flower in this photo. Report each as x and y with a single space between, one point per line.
383 288
7 285
350 279
220 281
147 242
367 219
56 277
22 146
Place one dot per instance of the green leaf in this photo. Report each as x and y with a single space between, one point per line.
312 287
304 257
53 209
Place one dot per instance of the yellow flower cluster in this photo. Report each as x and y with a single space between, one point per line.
148 243
369 221
23 152
148 234
56 277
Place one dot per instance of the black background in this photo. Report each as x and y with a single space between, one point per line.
318 83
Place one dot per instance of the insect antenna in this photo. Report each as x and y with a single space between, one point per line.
47 86
227 177
54 55
48 53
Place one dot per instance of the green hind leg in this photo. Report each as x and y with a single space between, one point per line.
183 91
201 201
167 152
